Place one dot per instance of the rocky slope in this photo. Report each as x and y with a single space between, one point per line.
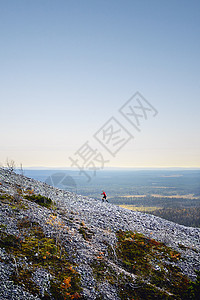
67 246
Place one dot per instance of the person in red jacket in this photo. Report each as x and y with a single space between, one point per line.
104 196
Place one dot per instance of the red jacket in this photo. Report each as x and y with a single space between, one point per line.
103 194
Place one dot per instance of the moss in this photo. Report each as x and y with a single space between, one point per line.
151 260
24 223
9 242
24 278
86 232
39 251
127 287
3 197
139 290
11 201
66 284
193 290
102 271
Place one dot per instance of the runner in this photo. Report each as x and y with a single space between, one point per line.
104 196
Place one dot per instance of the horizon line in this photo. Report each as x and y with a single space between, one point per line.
111 168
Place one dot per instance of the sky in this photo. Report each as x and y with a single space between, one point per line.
67 67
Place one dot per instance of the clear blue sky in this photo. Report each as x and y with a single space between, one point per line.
66 67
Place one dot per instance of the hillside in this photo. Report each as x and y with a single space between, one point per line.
58 245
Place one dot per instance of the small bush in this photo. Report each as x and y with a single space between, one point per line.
41 200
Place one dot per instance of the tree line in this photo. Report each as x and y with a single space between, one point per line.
185 216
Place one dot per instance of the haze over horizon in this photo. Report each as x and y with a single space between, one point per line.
68 69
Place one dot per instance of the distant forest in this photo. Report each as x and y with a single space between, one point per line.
161 202
185 216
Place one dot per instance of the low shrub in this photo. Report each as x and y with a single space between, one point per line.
41 200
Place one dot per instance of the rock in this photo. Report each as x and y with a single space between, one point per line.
88 230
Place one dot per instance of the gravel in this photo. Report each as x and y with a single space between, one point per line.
102 221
